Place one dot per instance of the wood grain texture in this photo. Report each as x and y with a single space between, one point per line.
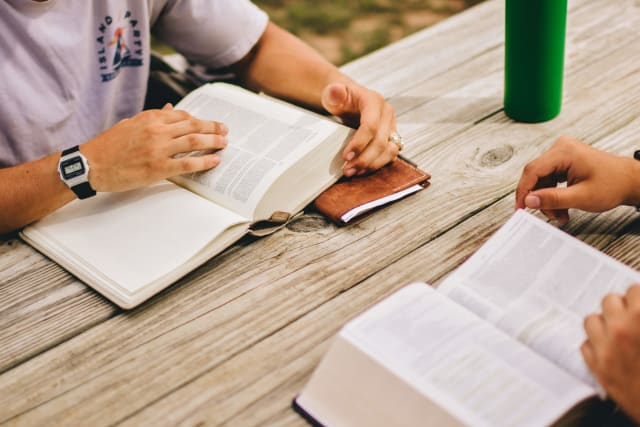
41 305
235 340
242 391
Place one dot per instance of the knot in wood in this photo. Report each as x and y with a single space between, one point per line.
497 156
308 223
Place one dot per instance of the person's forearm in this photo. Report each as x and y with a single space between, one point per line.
283 66
30 191
633 197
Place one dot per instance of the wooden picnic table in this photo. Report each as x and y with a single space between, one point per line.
234 341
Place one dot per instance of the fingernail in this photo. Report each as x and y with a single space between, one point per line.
349 172
224 128
351 155
532 202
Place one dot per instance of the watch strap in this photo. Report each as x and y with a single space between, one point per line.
83 190
636 155
70 150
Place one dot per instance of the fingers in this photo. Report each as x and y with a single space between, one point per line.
197 142
589 356
540 171
633 296
369 148
595 328
168 114
336 99
191 125
613 305
555 202
560 215
192 134
378 151
363 136
555 198
191 164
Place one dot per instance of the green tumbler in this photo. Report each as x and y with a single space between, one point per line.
534 59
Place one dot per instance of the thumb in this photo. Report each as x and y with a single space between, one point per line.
337 99
556 198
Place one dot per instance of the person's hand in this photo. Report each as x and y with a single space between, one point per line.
612 349
596 181
143 149
370 148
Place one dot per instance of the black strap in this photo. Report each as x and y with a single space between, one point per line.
70 150
83 190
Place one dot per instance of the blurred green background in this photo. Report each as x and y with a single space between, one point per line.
347 29
343 30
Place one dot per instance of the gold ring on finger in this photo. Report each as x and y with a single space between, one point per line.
395 138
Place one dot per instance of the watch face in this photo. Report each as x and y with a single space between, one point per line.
72 167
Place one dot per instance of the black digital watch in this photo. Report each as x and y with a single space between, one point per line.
74 172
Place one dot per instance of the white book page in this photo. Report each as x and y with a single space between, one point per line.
132 239
475 371
359 210
537 284
266 137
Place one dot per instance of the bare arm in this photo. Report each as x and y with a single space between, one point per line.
30 191
284 66
131 154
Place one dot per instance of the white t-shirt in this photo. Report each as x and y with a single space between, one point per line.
70 69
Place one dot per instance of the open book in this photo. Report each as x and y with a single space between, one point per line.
128 246
497 344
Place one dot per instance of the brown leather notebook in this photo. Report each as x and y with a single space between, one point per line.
353 197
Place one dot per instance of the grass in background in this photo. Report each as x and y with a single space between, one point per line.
346 29
343 30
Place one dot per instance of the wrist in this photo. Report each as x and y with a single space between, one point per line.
74 168
632 195
95 172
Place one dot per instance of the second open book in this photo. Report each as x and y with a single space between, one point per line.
497 344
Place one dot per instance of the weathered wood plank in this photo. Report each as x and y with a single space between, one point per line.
41 305
256 385
438 127
223 309
260 382
16 259
111 360
438 109
436 50
626 248
25 296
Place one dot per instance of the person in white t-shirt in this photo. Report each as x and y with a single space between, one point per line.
596 181
74 79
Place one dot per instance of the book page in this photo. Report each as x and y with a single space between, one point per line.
130 240
478 373
359 210
537 283
266 137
